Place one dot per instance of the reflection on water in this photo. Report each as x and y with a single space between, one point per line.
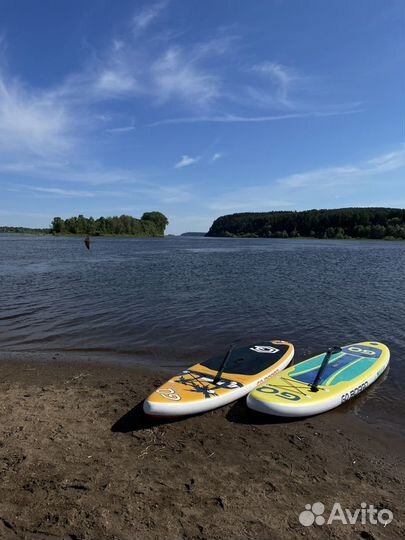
176 300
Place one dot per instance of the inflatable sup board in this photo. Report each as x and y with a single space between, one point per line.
219 380
321 383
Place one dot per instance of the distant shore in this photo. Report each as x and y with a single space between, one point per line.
189 237
79 460
78 235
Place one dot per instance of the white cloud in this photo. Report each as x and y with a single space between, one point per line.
216 156
299 189
160 73
115 83
388 162
281 76
144 18
333 176
234 118
122 129
61 192
32 123
176 75
131 183
65 193
185 161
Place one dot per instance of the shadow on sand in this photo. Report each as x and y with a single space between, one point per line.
239 413
137 420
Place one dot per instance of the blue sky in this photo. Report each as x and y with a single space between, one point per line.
199 108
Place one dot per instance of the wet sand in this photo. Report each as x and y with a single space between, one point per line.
78 461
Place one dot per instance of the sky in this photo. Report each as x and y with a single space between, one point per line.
199 108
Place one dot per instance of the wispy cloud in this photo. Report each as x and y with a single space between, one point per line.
387 162
185 161
131 70
64 193
298 189
234 118
122 129
115 82
59 192
144 18
178 75
216 156
332 176
31 122
96 179
281 77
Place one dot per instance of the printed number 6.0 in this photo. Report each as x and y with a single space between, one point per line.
362 351
272 390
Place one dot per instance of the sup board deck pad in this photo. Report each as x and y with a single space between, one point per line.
347 373
196 390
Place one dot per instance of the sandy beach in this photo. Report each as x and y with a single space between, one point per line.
79 461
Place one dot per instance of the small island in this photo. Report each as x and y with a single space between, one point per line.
150 224
340 223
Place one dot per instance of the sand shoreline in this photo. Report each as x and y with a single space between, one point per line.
79 461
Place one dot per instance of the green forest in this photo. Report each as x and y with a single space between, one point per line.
376 223
150 224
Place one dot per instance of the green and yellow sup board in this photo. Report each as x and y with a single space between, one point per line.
346 374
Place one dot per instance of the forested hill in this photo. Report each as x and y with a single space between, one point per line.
379 223
150 224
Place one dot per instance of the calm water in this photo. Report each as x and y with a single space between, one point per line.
176 300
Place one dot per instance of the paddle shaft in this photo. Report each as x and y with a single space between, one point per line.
223 364
329 352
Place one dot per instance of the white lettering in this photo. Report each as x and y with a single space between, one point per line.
337 514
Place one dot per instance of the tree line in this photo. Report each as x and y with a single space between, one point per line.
150 224
23 230
376 223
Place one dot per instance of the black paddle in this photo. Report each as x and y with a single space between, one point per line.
329 352
223 364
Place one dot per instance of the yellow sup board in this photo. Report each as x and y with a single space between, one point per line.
202 387
347 373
